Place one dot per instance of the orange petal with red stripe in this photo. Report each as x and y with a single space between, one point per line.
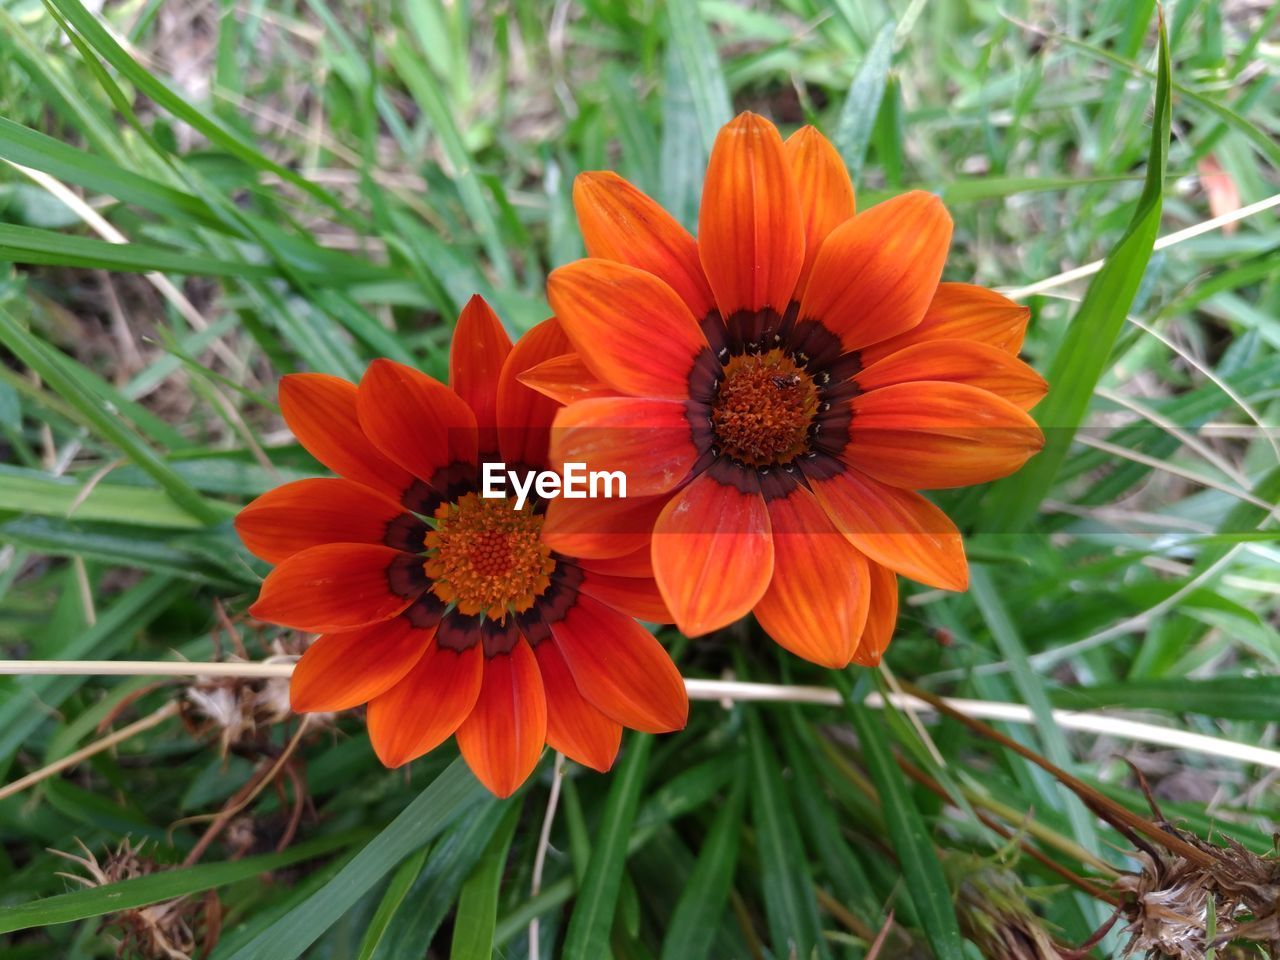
480 347
962 311
524 414
881 617
619 222
629 327
343 670
712 554
897 528
334 587
575 727
425 708
321 412
816 604
307 513
876 273
650 441
825 190
637 597
750 232
601 528
621 668
932 435
503 737
566 379
959 361
414 419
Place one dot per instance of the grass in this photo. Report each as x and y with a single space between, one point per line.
305 187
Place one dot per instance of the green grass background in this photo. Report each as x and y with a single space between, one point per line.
320 184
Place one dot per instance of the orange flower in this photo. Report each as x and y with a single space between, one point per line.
447 612
777 389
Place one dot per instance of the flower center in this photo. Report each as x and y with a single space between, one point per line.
763 409
487 557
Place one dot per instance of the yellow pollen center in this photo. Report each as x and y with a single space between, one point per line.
487 557
763 409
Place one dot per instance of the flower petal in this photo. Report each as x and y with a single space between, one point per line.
876 273
414 419
619 222
897 528
931 435
959 361
628 326
639 563
962 311
479 349
825 190
816 604
425 708
565 379
343 670
881 617
601 528
525 415
575 727
621 668
650 441
307 513
637 597
503 737
321 412
712 554
750 234
336 587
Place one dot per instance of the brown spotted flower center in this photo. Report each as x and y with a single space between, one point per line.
487 557
763 409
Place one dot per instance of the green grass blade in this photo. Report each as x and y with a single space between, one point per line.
157 887
430 812
1082 356
862 102
790 907
477 913
921 868
692 930
588 934
401 882
103 421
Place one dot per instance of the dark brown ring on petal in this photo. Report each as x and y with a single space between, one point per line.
458 631
499 637
554 603
405 532
447 484
427 611
406 576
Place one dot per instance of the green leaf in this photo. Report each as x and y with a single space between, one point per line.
28 491
1233 698
477 913
1083 355
158 887
789 904
104 421
391 901
862 102
921 868
588 934
691 932
430 812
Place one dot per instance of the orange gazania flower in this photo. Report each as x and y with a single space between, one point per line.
778 389
443 610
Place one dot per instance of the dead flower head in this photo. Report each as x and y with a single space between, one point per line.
995 910
161 931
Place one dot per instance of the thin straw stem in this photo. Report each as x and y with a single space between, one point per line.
728 691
